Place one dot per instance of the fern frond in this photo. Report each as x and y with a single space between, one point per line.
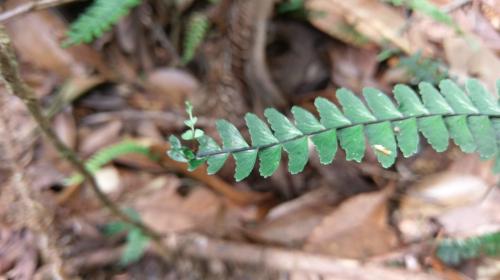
454 251
97 19
107 155
470 119
196 31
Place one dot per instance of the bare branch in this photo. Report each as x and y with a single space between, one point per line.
285 260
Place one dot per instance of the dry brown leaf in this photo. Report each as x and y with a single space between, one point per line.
167 211
373 19
18 254
353 68
491 10
100 137
358 228
46 30
467 56
72 89
489 269
65 127
291 222
171 86
455 197
13 111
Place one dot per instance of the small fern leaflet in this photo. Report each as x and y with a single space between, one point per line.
471 119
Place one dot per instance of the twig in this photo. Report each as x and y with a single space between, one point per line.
15 85
32 6
285 260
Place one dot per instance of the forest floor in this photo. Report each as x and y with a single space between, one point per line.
345 220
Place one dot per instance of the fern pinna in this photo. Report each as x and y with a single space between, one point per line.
97 19
471 119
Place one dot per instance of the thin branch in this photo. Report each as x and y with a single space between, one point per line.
15 85
32 6
287 260
265 257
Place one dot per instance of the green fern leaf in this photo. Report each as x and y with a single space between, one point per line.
472 120
308 124
454 251
216 162
484 135
293 142
232 139
352 139
433 128
457 99
262 136
381 136
97 19
136 245
331 117
407 130
107 155
460 133
481 98
196 31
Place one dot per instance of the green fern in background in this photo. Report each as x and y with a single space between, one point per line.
471 120
196 31
107 155
97 19
454 251
136 242
423 69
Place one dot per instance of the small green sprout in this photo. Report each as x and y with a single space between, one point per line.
193 133
182 153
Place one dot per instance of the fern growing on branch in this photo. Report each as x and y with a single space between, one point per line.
471 119
97 19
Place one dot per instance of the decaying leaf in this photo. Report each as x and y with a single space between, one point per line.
290 223
373 19
358 228
167 211
460 198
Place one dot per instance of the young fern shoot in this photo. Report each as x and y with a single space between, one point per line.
471 119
